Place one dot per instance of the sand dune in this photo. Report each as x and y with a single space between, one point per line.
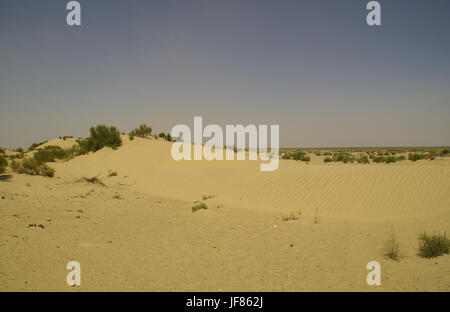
138 231
338 190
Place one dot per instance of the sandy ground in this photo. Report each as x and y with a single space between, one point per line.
138 232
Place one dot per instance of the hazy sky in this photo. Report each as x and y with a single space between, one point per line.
313 67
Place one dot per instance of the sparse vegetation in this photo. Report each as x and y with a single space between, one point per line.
32 167
316 216
387 159
296 155
51 153
327 159
199 206
363 159
210 196
289 217
416 156
143 131
34 145
344 157
36 164
3 163
101 136
392 247
93 180
435 245
112 174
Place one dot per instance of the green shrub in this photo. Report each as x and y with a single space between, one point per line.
143 131
46 171
343 157
15 165
416 156
199 206
162 135
31 166
435 245
3 163
296 155
445 152
101 136
388 159
50 153
34 145
327 159
363 160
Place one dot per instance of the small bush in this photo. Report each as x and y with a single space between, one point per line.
297 155
143 131
327 159
210 196
112 174
32 167
46 171
34 145
343 157
101 136
199 206
289 217
416 156
50 153
435 245
392 247
316 216
15 165
3 163
363 160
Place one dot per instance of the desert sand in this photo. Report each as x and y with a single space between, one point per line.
137 232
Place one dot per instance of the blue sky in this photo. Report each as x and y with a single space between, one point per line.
313 67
